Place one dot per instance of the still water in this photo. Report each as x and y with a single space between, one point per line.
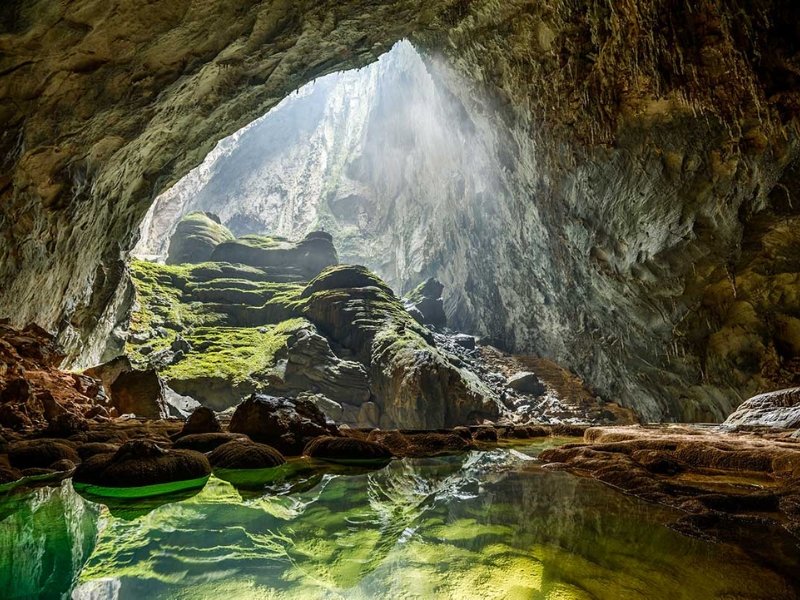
488 525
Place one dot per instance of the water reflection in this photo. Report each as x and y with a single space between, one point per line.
484 525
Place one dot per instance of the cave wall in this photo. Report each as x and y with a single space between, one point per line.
646 140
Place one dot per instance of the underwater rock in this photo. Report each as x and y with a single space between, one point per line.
202 420
245 454
206 442
196 235
526 383
779 409
40 453
347 450
427 299
286 424
142 463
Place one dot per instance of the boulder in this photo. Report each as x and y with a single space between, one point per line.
345 277
348 450
108 372
141 463
245 454
484 433
287 424
9 475
427 299
779 409
202 420
195 237
464 340
140 393
307 257
66 425
40 453
526 382
206 442
92 448
421 444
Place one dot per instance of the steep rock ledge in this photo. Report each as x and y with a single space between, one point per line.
644 141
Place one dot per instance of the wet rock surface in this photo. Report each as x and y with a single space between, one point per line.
142 463
245 454
779 410
717 479
347 449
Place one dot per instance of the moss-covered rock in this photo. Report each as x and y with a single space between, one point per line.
195 237
307 257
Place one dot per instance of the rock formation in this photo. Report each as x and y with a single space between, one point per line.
652 153
196 236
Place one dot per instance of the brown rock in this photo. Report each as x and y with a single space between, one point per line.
140 393
141 463
206 442
40 453
286 424
202 420
245 454
347 450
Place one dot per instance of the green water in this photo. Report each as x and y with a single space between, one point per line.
484 525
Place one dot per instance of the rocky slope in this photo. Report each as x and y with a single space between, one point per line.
650 149
266 314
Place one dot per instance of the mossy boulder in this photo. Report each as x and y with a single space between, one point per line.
40 453
206 442
141 464
195 237
427 299
348 450
202 420
307 257
245 454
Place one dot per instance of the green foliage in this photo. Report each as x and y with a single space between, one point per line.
232 353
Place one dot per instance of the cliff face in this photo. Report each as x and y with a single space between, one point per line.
641 231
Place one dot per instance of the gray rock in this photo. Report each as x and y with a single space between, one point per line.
526 382
779 409
464 340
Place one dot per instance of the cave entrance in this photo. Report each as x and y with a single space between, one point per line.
388 159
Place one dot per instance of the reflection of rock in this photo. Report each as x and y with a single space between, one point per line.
779 409
195 237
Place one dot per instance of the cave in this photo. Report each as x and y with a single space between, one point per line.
456 299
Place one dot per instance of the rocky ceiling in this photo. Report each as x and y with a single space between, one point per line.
649 243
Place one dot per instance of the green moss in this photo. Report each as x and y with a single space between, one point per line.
232 353
262 241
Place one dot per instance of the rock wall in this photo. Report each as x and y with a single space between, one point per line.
646 143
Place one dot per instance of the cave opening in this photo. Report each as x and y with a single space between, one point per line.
476 299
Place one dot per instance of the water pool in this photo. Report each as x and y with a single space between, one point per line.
489 524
